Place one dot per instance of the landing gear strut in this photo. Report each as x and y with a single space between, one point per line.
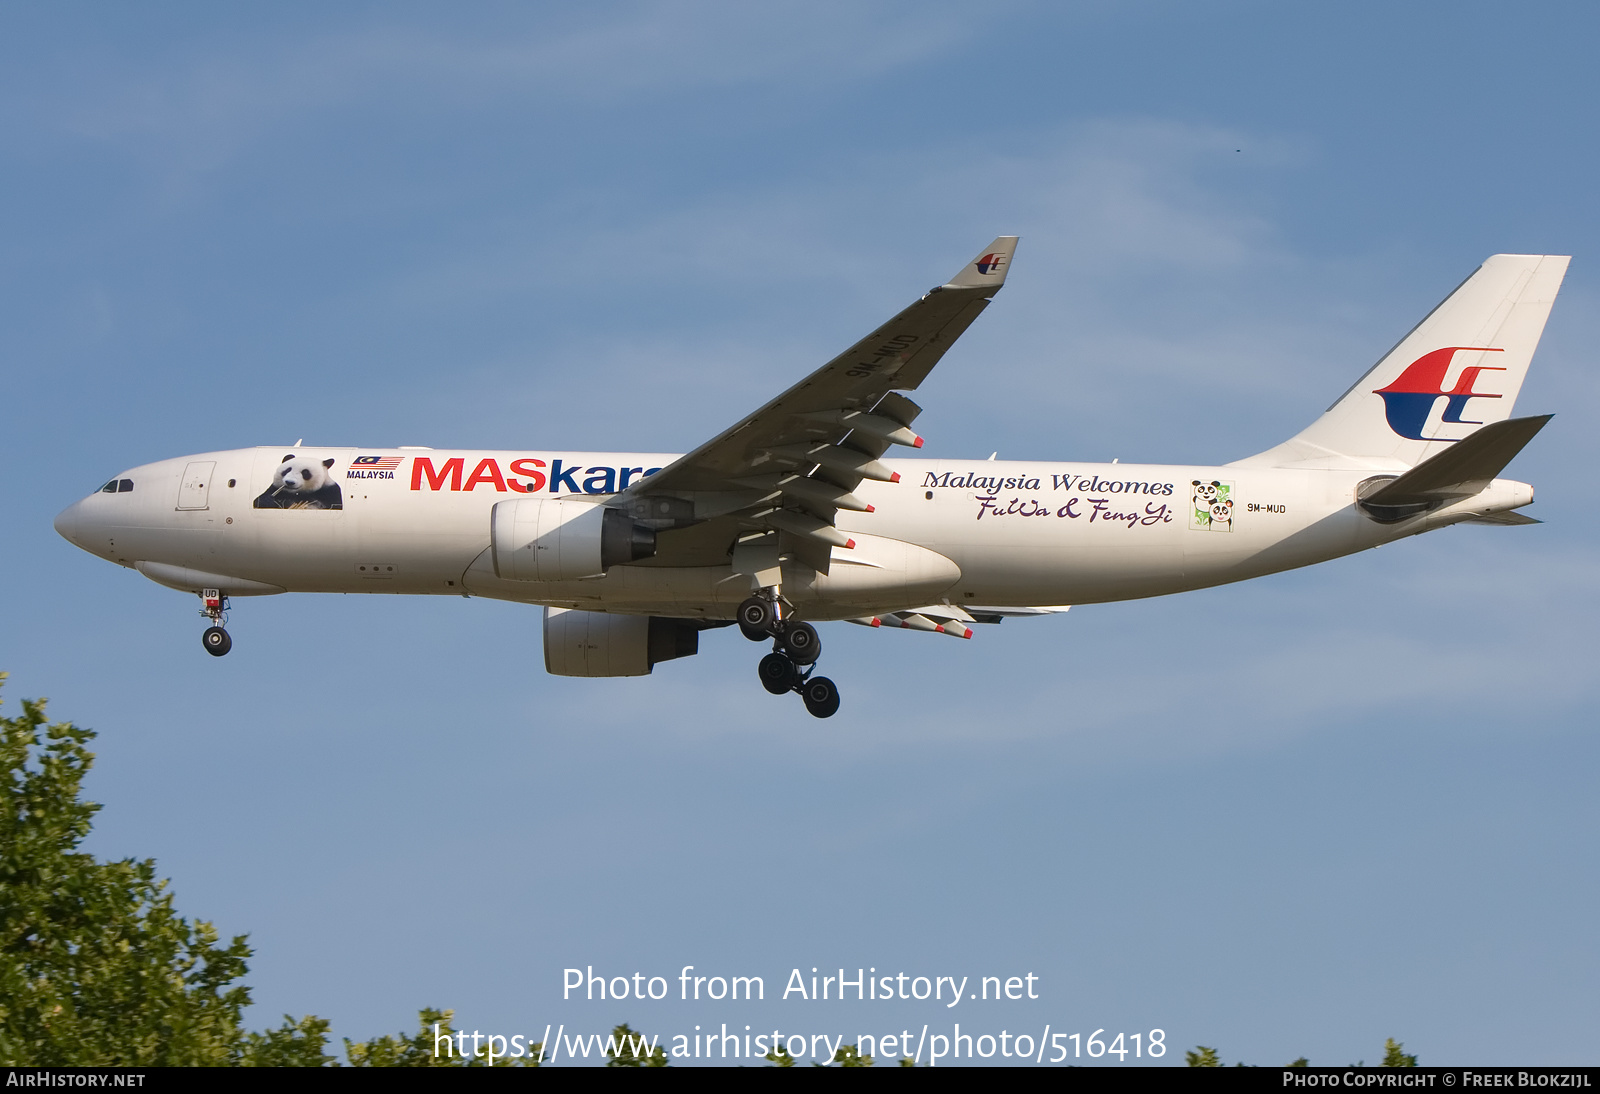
215 639
795 648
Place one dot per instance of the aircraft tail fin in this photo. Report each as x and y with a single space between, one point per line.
1456 372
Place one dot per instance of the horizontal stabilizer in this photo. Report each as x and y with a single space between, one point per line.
1460 471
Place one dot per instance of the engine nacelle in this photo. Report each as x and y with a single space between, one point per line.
555 539
579 643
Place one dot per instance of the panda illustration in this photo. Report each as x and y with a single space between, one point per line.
1205 495
1211 506
302 483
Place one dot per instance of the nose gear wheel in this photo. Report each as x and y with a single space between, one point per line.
215 639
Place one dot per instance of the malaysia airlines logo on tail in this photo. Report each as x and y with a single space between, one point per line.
991 263
1410 399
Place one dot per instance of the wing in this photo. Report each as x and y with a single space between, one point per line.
786 470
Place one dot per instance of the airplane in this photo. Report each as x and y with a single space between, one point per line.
797 514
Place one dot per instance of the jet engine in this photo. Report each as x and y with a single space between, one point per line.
556 539
578 643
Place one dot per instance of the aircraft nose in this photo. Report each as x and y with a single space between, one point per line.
68 521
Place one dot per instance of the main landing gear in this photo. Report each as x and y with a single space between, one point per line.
791 665
215 639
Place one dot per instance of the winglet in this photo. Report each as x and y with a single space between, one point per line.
988 270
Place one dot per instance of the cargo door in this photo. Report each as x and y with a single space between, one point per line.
195 490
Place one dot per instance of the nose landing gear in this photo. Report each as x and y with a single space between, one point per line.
795 649
215 639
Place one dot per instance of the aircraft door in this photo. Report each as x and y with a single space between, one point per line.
195 490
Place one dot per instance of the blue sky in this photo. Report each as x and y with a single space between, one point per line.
1294 816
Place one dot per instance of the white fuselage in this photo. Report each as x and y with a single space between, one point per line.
974 532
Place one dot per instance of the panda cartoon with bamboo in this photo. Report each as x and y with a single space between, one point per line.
1211 506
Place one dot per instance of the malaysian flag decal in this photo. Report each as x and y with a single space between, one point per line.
373 467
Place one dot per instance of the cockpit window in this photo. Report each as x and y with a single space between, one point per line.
110 487
117 486
124 486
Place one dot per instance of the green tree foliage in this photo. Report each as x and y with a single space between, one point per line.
293 1044
413 1051
435 1044
1395 1056
96 968
848 1056
844 1056
625 1048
